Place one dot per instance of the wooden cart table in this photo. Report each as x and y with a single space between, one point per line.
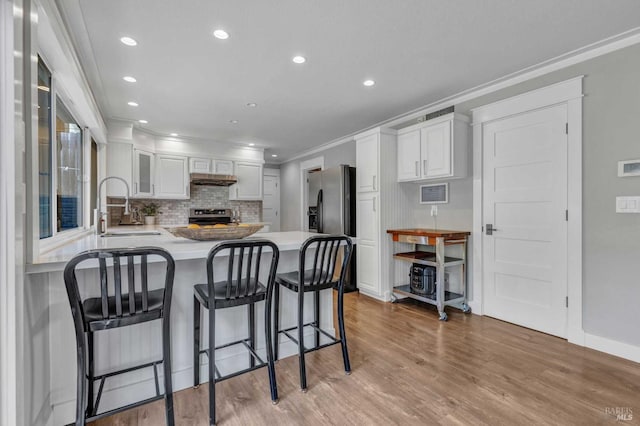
435 240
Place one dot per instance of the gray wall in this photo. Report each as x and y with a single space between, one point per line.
290 181
611 242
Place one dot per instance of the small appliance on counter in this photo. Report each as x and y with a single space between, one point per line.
423 279
210 216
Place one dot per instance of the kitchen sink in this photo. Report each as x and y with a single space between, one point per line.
130 234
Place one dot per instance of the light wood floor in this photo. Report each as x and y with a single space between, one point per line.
410 368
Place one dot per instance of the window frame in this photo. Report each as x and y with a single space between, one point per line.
59 238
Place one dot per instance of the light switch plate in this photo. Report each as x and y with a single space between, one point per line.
627 204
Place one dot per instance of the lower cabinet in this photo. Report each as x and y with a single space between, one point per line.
249 186
368 231
172 177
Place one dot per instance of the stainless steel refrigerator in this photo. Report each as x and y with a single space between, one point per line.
332 208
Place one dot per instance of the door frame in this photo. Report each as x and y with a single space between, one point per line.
305 166
568 92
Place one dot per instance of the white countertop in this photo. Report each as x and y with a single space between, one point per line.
180 248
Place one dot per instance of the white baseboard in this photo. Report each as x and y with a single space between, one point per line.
612 347
372 295
64 413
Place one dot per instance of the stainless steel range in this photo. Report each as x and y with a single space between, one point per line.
210 216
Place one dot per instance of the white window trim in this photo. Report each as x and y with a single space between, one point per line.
570 93
59 238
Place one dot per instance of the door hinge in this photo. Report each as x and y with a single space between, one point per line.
566 128
566 301
566 215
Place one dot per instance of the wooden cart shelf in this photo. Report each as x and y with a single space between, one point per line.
438 239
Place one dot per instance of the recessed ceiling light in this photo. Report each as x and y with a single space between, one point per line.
299 59
129 79
368 83
233 121
143 121
132 103
252 144
274 155
221 34
174 134
128 41
252 104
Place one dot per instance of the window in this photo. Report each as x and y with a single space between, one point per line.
69 184
60 161
45 182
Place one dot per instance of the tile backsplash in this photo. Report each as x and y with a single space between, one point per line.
176 212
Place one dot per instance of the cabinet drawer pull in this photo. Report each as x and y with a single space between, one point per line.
374 204
425 167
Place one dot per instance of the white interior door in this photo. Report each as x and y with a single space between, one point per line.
271 202
525 200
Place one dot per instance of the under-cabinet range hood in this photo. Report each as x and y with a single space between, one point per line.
213 180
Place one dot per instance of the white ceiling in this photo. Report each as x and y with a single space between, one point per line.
417 51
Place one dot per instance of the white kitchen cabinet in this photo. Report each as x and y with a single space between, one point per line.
223 167
367 162
199 165
381 204
120 164
368 229
441 152
249 186
408 161
143 174
172 177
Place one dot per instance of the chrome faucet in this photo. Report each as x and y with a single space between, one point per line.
97 214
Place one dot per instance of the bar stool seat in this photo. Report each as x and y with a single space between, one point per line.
93 310
290 280
223 300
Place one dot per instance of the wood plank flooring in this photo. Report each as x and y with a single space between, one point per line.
409 368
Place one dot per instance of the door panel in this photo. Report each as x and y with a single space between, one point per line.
524 198
367 164
409 155
271 202
367 223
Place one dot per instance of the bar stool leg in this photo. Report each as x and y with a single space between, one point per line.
166 363
303 371
316 316
269 346
212 363
196 342
276 320
343 336
252 332
81 389
90 409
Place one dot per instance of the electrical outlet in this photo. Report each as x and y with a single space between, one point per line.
434 211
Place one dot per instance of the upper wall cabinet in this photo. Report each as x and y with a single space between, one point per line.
119 162
172 177
435 149
143 174
223 167
367 162
249 186
199 165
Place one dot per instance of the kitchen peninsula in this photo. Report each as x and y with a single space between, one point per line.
139 343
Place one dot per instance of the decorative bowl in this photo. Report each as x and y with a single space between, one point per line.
231 231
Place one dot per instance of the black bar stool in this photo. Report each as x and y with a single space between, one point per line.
321 274
242 286
118 310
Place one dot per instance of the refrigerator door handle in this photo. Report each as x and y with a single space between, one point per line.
320 206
